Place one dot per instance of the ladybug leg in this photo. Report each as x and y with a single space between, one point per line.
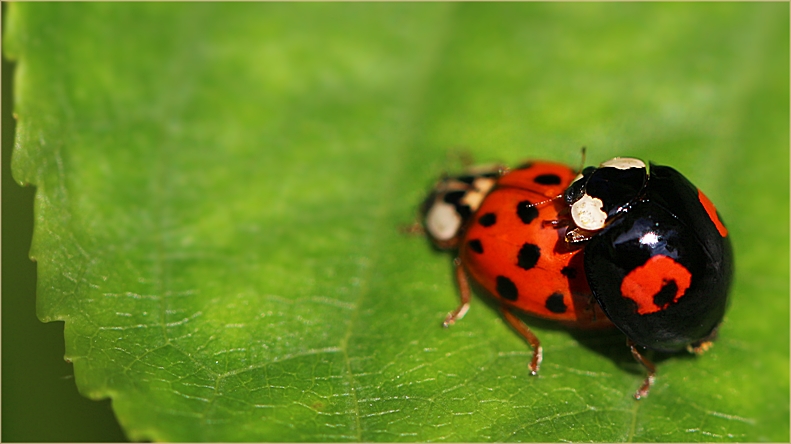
704 344
416 228
642 392
557 224
578 236
530 337
700 348
592 304
464 157
464 292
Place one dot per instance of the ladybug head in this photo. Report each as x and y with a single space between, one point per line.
598 195
453 200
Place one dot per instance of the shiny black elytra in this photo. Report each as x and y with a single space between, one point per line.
669 220
661 264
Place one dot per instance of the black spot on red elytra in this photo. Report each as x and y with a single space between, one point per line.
476 246
507 289
488 219
547 179
528 256
569 272
666 295
526 211
555 303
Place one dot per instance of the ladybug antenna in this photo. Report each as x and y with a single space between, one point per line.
582 160
546 201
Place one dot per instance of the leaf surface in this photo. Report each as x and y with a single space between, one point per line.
220 189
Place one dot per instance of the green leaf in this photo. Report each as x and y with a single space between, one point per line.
220 189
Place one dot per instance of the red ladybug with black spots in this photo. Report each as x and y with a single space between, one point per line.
645 248
506 227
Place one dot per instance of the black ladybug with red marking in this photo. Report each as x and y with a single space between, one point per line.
657 257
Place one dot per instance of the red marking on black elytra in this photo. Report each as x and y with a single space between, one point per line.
712 212
657 284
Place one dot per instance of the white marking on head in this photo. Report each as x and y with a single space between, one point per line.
442 221
472 199
484 184
481 187
587 213
623 163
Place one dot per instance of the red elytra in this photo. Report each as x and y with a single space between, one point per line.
513 246
515 249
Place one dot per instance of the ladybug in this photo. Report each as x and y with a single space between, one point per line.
656 255
509 228
620 244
